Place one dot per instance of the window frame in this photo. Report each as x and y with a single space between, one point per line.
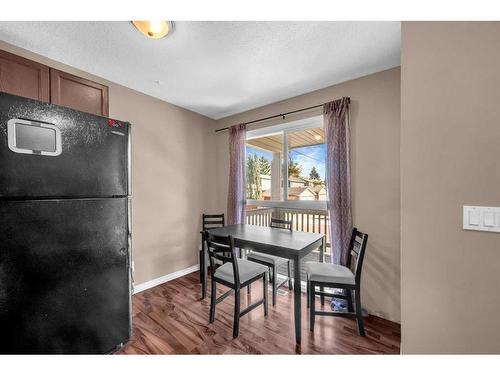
285 129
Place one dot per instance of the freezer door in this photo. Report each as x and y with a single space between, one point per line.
52 151
64 276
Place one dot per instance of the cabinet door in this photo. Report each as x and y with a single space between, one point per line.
78 93
23 77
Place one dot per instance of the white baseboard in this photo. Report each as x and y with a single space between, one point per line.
163 279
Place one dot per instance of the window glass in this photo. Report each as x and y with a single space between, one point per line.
264 167
306 164
305 157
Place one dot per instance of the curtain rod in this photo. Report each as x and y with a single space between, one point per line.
276 116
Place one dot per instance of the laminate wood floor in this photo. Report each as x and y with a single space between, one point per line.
171 319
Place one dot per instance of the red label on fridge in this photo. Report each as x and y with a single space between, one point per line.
115 124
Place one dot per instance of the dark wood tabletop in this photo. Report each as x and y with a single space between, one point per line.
284 243
280 242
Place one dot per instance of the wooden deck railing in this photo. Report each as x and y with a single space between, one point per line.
305 220
260 216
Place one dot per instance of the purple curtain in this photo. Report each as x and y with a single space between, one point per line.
236 194
338 177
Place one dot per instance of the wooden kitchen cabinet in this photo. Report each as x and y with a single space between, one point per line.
78 93
23 77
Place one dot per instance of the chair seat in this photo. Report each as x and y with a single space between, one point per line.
247 269
329 273
267 258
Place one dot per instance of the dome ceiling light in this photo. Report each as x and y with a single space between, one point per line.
154 29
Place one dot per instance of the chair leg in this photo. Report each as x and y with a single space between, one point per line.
307 289
236 323
265 293
275 285
348 295
202 262
359 315
203 271
290 286
212 302
204 284
312 309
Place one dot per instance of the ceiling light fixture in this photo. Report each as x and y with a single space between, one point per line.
154 29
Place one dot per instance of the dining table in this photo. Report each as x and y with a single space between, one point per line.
294 245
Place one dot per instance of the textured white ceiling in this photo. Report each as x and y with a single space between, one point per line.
217 68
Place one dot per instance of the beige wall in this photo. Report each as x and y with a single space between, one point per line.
172 154
172 157
450 142
375 119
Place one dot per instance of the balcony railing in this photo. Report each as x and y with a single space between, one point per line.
260 216
305 220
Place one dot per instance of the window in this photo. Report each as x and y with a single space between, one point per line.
286 166
294 153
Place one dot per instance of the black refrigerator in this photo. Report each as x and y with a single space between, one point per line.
65 249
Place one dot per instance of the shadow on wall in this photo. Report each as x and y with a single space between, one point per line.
382 297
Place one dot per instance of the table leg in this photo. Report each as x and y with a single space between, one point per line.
297 293
322 259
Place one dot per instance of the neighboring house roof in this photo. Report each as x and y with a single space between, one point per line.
299 190
296 179
313 181
317 188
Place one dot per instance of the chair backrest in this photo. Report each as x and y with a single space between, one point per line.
222 248
281 224
212 221
357 248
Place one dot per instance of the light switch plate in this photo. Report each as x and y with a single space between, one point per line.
480 218
489 219
475 217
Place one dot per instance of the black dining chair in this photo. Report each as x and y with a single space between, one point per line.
272 261
234 273
209 221
339 277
